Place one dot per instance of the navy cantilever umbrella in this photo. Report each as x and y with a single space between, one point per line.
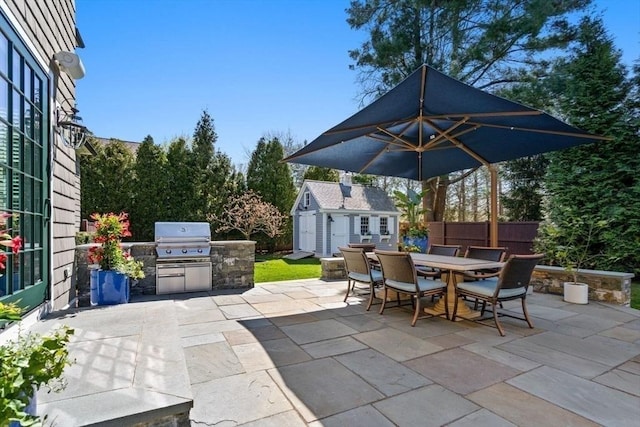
431 124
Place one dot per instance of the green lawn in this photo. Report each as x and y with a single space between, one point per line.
271 268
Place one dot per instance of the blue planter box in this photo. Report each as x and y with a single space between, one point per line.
109 287
420 242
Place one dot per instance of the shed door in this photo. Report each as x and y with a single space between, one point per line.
339 232
307 232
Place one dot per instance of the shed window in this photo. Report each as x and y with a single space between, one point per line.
384 225
364 225
306 199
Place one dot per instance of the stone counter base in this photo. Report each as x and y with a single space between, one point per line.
232 266
332 269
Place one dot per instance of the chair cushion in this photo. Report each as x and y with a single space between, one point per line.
377 275
423 284
359 277
488 287
430 284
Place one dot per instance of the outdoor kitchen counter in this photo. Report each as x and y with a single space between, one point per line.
232 267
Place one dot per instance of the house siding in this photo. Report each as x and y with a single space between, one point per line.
48 27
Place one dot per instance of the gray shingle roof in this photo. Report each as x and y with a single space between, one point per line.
133 146
332 195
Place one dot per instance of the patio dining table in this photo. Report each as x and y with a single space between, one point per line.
450 265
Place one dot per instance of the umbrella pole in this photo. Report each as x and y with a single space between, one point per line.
493 229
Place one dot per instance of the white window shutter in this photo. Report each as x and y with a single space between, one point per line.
356 225
391 225
375 225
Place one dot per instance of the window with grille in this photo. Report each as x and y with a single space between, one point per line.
384 225
23 158
364 225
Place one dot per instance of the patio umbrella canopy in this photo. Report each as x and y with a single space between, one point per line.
431 124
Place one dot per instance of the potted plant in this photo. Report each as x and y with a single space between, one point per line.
414 232
110 282
569 247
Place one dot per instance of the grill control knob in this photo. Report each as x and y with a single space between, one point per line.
199 250
168 251
184 251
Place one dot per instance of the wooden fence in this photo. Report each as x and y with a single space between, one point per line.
517 237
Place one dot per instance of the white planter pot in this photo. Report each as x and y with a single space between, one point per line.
576 293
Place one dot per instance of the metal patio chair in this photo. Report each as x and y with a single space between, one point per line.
511 283
359 270
400 275
446 250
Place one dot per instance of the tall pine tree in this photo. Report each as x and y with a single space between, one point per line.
598 181
107 183
202 166
272 180
151 196
180 192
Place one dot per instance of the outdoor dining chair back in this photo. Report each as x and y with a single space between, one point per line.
369 248
358 269
487 253
511 283
446 250
399 274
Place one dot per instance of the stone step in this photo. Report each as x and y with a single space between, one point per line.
129 368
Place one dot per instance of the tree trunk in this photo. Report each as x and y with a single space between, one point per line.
435 199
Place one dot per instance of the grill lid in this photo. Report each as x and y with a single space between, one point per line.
181 231
182 239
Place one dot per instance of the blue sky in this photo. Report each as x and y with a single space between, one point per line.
257 66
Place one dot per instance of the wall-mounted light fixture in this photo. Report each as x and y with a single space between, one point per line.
70 63
330 218
68 126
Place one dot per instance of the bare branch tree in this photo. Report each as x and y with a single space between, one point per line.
249 214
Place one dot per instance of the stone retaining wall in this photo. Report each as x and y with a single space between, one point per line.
232 265
605 286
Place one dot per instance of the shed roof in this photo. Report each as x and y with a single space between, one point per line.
357 197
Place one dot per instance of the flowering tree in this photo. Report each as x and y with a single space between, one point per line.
249 214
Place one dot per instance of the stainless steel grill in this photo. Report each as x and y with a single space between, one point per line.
183 263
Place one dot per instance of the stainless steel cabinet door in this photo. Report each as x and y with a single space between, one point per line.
170 280
198 277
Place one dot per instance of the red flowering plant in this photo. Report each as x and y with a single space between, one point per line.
7 241
110 229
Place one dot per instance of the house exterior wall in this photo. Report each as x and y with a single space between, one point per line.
47 27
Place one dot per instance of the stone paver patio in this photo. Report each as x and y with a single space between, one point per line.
293 354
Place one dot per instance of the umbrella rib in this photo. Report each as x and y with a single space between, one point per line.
368 125
490 114
454 140
398 137
550 132
442 134
371 161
